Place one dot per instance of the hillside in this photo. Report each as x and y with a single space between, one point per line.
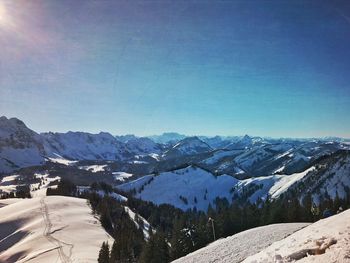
46 229
237 247
194 187
183 188
325 241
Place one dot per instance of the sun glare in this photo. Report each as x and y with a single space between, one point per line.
3 14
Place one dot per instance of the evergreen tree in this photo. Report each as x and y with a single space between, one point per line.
103 256
156 249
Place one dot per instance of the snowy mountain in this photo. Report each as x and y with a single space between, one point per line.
284 157
167 138
143 145
187 146
85 146
19 146
245 142
218 142
185 188
192 186
242 157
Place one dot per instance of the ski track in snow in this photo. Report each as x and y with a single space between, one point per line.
47 233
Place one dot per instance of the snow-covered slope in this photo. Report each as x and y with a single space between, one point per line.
184 188
269 186
194 187
187 146
324 241
238 247
49 229
331 177
85 146
19 146
282 157
245 142
143 145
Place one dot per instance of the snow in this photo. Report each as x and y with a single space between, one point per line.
188 146
8 183
239 246
138 162
116 196
84 146
272 186
191 183
324 241
45 182
49 229
154 156
197 184
94 168
102 193
142 145
286 181
334 180
219 155
59 159
121 176
10 178
279 170
146 227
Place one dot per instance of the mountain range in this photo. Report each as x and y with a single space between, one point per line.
184 171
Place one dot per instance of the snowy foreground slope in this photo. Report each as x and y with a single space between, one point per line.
325 241
238 247
49 229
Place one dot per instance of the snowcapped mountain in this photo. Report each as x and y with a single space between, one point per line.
269 158
143 145
245 142
85 146
328 176
194 187
241 157
167 138
19 146
331 177
187 146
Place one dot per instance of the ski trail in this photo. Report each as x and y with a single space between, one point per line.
47 233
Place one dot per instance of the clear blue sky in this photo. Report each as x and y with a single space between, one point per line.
269 68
